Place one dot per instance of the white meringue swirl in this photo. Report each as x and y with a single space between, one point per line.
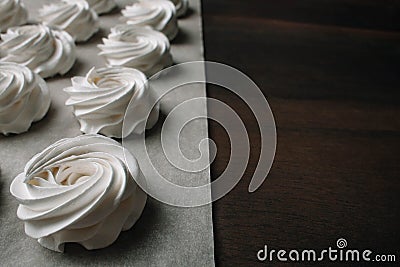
79 190
45 51
24 98
159 14
12 13
102 6
101 98
181 7
141 48
72 16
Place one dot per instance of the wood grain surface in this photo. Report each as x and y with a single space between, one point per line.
331 73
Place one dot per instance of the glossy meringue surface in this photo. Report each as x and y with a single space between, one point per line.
141 48
45 51
100 100
24 98
72 16
79 190
12 13
158 14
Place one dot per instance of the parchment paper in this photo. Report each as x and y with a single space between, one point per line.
164 235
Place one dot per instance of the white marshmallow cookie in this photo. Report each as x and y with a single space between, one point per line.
24 98
141 48
12 13
181 7
72 16
45 51
100 101
102 6
158 14
79 190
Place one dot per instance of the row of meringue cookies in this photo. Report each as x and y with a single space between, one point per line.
83 189
68 14
132 51
80 189
47 46
13 12
99 100
51 51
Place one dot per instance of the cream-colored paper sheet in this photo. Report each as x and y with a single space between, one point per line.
164 235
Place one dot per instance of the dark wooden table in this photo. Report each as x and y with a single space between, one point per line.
331 73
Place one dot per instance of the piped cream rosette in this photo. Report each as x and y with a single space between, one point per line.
158 14
45 51
79 190
141 48
100 100
24 98
72 16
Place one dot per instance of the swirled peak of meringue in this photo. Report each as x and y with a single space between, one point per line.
12 13
72 16
101 98
141 48
45 51
181 7
24 98
79 190
159 14
102 6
